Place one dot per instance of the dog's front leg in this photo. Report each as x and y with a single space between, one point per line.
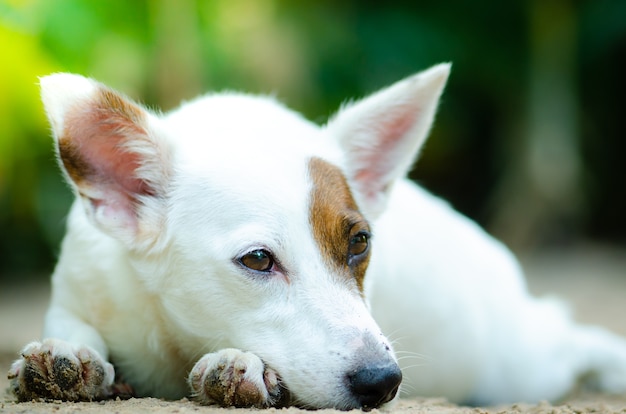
234 378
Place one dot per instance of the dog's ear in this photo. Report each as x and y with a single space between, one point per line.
112 154
381 134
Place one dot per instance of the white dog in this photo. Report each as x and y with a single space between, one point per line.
222 251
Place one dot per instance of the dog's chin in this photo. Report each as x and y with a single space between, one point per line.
390 405
345 402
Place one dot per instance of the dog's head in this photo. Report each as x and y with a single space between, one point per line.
251 225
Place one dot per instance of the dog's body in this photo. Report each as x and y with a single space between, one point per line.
221 251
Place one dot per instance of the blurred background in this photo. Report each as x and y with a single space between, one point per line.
529 139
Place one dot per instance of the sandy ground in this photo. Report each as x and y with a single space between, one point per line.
593 280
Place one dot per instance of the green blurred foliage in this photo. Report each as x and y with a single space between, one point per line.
313 55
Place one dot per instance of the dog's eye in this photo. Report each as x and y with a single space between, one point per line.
358 244
259 260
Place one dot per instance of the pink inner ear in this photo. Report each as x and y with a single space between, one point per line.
104 150
99 150
377 162
96 149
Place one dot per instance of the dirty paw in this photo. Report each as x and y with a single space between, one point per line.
232 377
54 369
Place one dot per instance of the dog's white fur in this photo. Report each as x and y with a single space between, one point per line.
155 284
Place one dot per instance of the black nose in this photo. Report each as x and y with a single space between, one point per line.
374 385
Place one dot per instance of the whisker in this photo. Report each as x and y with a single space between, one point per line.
406 389
407 367
404 356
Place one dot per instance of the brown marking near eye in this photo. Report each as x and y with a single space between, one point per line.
335 218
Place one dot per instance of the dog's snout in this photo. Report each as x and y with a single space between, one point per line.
374 385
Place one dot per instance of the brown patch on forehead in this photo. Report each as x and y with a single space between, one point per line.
335 219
